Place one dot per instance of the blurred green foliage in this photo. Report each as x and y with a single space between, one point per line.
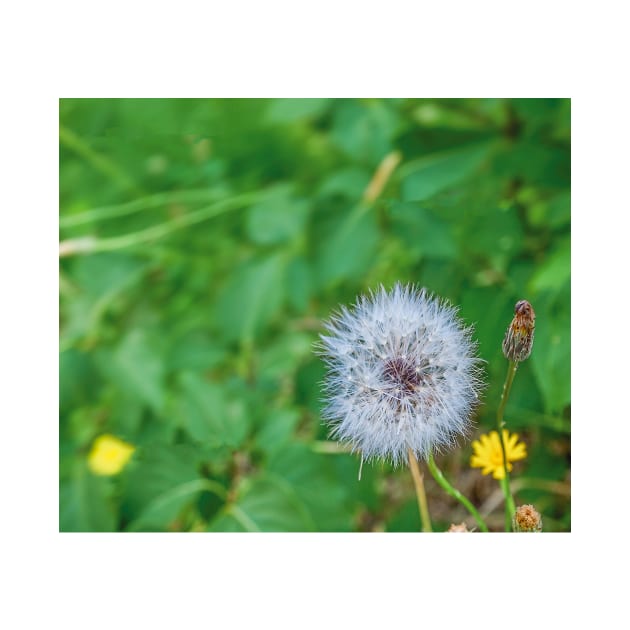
221 232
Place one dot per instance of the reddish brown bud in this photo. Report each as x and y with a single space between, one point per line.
519 338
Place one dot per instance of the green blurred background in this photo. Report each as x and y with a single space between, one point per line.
203 242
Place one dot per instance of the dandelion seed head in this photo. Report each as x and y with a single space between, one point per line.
402 374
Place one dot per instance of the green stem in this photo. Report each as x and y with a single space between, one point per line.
510 506
104 165
420 493
137 205
455 493
90 245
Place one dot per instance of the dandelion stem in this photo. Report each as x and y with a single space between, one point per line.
510 506
420 493
455 493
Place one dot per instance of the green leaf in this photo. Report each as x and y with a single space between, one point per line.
284 357
520 418
349 183
315 481
101 280
103 275
165 507
497 233
551 357
422 232
299 283
534 163
443 117
208 413
279 218
264 505
429 175
137 367
525 393
299 492
288 110
490 310
77 378
536 113
124 412
276 429
559 210
159 484
78 318
555 271
406 519
441 277
84 504
364 129
349 250
251 297
195 351
308 385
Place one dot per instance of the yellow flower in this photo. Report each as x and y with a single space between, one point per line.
488 456
109 455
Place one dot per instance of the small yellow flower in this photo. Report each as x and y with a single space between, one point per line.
488 456
109 455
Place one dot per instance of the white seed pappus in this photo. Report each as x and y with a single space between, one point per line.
402 374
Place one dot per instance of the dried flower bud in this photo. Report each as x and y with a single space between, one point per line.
458 529
527 519
519 338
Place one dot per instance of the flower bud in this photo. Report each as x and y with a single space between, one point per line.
519 338
458 529
527 519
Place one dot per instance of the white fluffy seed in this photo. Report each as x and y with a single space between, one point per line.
405 406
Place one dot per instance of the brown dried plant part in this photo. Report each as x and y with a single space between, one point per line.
519 338
527 519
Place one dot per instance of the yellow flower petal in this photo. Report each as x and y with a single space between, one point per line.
498 473
511 441
519 452
109 455
477 461
488 455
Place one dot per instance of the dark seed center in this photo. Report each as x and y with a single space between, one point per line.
402 373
